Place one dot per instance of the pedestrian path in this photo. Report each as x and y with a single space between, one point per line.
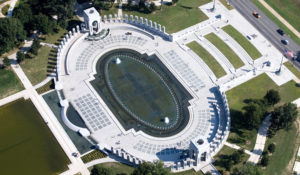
280 18
260 140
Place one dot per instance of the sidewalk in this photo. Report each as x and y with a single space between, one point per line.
280 18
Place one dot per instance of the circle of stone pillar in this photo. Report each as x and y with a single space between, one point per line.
131 18
150 23
110 17
126 18
141 20
146 22
121 18
116 17
163 29
77 27
155 25
159 27
136 19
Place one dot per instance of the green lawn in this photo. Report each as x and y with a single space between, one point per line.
226 50
207 58
96 154
175 18
254 89
243 41
292 68
224 2
112 11
47 87
4 9
227 151
117 168
10 83
54 38
274 19
288 9
287 144
36 68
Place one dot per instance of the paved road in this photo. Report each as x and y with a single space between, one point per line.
265 26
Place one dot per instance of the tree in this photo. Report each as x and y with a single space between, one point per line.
43 24
147 168
35 47
284 116
99 170
252 116
272 97
248 169
20 56
152 7
6 62
12 34
271 147
174 1
236 157
264 161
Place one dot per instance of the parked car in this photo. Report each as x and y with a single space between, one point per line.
249 37
256 14
285 42
281 32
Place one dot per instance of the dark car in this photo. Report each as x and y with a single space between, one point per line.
285 42
281 32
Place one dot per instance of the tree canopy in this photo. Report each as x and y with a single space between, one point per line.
12 34
148 168
253 115
272 97
284 116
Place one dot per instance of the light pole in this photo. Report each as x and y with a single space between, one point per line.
279 70
214 6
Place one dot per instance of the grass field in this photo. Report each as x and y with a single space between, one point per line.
288 9
224 2
226 50
4 9
10 83
27 144
54 38
135 84
175 18
247 46
36 68
96 154
117 168
255 89
275 20
111 11
287 144
47 87
227 151
208 59
292 68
